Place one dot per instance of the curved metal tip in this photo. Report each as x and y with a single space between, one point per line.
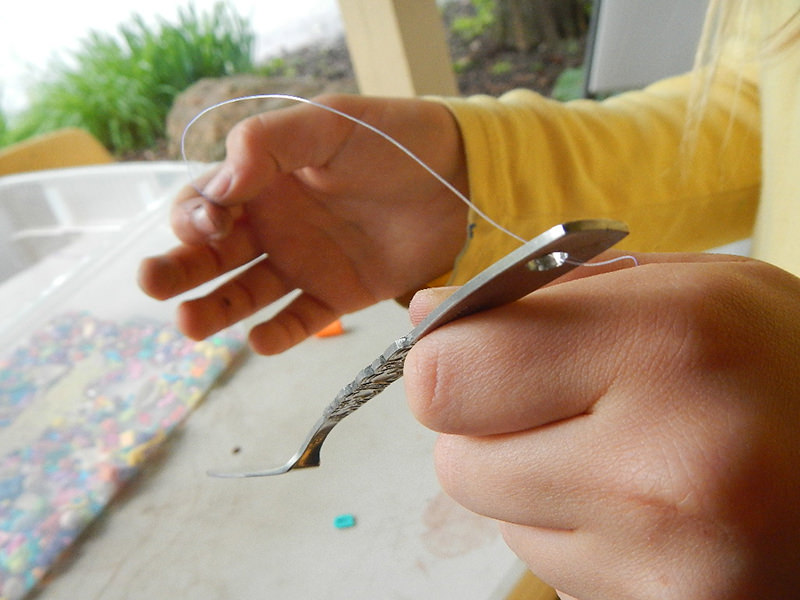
246 474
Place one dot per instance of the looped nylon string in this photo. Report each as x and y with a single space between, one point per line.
378 132
357 121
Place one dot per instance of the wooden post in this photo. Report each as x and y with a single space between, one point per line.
398 47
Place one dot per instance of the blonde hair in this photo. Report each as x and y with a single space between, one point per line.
722 27
744 30
722 32
735 32
732 25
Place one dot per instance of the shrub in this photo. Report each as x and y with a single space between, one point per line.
120 87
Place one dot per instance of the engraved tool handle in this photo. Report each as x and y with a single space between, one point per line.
370 381
535 264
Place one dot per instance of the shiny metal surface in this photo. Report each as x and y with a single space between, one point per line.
535 264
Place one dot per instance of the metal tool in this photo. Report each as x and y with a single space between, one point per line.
535 264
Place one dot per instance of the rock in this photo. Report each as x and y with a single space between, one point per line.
206 139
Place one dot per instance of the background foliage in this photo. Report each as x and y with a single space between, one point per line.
120 87
522 24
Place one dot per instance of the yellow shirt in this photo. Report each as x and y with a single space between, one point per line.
535 162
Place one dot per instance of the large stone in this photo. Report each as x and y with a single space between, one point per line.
205 140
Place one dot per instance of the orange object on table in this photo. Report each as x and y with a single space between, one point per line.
331 330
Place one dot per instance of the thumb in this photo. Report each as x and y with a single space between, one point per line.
424 301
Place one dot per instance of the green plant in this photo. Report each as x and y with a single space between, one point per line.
121 87
501 67
483 19
275 67
569 84
463 64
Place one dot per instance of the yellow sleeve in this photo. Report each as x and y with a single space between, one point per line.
535 162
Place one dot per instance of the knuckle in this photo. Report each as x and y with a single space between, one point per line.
721 314
333 99
245 136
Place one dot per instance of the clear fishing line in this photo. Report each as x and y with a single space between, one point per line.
377 132
357 121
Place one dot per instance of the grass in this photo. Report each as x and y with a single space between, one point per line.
120 87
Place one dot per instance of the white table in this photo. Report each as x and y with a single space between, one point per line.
177 533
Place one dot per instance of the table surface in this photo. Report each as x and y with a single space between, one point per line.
176 532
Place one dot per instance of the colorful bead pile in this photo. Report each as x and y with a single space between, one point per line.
87 400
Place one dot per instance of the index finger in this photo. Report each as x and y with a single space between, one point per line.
187 266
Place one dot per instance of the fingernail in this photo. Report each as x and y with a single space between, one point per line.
201 221
217 187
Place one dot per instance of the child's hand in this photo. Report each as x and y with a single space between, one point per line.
636 431
327 206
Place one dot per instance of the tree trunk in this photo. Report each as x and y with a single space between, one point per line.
523 24
520 34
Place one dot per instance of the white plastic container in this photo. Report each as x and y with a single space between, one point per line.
43 212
